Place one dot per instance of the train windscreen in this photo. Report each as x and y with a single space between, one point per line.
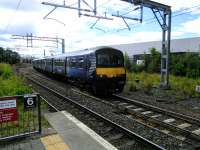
110 59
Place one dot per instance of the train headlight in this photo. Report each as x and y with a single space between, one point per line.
121 82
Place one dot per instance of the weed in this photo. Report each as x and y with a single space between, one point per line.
181 86
132 87
10 84
5 71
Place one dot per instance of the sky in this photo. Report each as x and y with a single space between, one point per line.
21 17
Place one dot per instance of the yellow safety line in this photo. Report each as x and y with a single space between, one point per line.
54 142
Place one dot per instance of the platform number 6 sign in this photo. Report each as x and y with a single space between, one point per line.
29 101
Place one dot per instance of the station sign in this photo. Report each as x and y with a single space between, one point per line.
8 109
30 101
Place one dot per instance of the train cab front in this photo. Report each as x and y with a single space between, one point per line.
110 71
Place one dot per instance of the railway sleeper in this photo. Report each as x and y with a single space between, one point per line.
127 145
111 138
155 120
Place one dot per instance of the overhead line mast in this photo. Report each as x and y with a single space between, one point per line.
29 38
162 14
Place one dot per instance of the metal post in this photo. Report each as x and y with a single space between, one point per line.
95 7
63 46
27 39
44 53
31 39
79 7
163 54
39 114
169 45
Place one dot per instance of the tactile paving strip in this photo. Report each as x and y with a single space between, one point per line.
54 142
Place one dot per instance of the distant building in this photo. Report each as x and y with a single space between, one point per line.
177 46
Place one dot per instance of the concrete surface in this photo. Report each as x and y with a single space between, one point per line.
75 134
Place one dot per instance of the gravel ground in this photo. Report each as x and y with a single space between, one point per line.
162 99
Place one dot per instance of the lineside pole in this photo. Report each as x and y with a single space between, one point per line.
63 46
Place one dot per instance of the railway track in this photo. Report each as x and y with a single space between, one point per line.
117 135
179 126
187 126
131 110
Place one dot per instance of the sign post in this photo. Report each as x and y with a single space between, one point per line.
30 101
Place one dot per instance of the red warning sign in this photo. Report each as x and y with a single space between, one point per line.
8 109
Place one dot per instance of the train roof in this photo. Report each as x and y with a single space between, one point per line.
86 51
77 53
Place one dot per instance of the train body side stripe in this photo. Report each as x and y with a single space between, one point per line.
110 72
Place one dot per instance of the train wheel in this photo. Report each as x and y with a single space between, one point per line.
94 90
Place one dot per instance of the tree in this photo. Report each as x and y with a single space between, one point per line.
146 61
192 65
127 62
178 64
187 64
154 65
9 56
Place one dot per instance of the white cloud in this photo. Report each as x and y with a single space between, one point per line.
77 32
191 26
196 11
179 4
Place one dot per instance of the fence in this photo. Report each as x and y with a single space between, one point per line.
20 116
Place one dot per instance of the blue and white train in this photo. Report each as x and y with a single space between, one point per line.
101 68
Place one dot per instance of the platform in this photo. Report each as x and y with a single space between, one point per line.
74 135
67 133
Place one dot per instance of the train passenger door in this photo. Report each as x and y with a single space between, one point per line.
65 68
51 65
67 65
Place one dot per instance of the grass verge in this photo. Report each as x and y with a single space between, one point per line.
180 86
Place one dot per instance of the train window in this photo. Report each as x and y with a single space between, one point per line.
102 59
116 60
73 62
48 62
81 62
106 60
59 62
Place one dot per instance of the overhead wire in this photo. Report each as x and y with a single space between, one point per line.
152 20
16 9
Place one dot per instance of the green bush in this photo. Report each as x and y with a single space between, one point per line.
127 62
10 84
5 71
132 87
154 65
180 86
186 64
8 56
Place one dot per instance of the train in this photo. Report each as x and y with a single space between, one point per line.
101 68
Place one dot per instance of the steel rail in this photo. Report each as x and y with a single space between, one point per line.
161 110
185 118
